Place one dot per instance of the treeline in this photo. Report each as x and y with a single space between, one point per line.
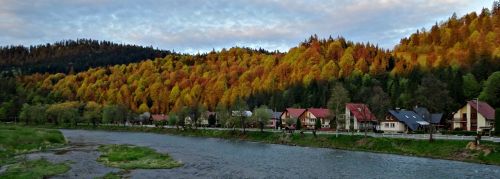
72 113
72 56
302 77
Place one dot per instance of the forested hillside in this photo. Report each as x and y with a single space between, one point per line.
471 42
166 84
72 56
439 69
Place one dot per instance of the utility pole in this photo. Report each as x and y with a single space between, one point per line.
478 136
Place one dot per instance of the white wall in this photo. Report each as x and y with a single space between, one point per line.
398 126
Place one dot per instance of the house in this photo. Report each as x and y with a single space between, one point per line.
241 113
144 118
401 120
275 120
474 116
359 116
313 114
291 114
158 117
434 118
188 121
206 117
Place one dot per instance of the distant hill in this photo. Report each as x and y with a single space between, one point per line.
458 53
72 56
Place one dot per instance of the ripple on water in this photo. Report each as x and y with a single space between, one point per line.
217 158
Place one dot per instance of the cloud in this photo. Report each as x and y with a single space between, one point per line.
198 26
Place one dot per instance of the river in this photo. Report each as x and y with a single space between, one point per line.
218 158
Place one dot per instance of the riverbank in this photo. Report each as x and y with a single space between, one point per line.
488 153
15 141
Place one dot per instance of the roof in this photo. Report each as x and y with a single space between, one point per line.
484 109
422 112
159 117
434 118
295 112
409 118
276 115
319 112
242 113
361 112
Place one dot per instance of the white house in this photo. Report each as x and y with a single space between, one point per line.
474 116
359 116
313 114
402 121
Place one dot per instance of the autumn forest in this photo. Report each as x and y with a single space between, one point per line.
440 68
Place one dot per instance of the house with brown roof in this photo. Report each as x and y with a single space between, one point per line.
358 116
474 116
312 114
292 113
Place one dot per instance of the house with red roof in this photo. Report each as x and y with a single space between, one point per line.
159 117
474 116
358 117
292 113
312 114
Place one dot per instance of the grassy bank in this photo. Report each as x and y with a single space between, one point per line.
489 152
16 140
135 157
34 169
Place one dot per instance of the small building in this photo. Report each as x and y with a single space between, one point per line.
206 117
474 116
292 113
275 120
401 120
144 118
241 113
432 118
359 116
313 114
188 122
158 117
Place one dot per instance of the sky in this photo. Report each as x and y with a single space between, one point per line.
196 26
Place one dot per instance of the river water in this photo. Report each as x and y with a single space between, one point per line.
218 158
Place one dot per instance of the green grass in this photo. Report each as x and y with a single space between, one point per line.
134 157
15 140
111 175
34 169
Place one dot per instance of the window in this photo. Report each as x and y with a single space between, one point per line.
407 116
392 125
386 125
